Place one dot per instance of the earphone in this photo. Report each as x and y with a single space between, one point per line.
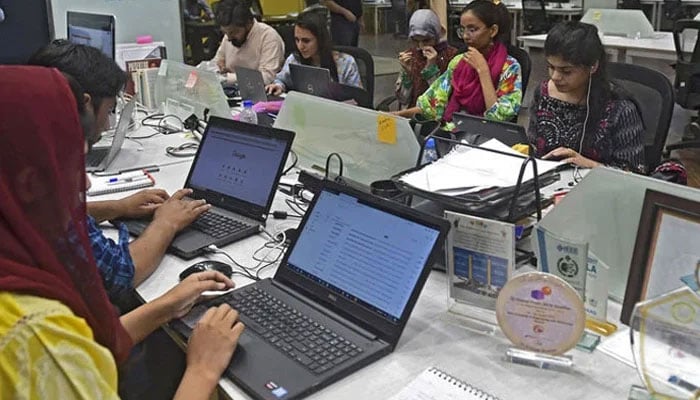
585 121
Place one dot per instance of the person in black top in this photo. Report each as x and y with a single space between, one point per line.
346 21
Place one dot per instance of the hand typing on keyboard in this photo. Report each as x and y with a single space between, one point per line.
178 213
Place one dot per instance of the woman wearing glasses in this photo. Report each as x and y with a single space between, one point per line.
484 80
424 62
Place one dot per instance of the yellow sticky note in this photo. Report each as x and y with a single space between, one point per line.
386 129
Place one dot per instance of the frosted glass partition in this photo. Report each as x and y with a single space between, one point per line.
604 209
627 23
324 126
183 90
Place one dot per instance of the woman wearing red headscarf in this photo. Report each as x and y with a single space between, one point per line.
59 335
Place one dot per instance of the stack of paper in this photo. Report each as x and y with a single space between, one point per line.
468 170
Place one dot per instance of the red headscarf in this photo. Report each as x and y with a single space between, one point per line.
466 87
44 247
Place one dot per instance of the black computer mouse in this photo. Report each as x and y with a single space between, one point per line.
207 265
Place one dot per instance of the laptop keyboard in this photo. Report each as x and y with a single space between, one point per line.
304 340
95 157
218 226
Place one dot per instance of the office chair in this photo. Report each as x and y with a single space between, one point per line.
286 31
675 10
687 83
365 63
653 94
629 5
524 61
535 18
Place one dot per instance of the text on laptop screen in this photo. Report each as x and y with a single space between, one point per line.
367 255
238 164
93 30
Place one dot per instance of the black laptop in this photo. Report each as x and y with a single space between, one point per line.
251 85
99 158
236 170
505 132
339 299
312 80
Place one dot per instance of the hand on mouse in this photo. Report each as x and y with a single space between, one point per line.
570 156
142 203
178 213
179 300
210 349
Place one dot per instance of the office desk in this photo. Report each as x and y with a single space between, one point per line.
432 337
516 11
622 49
657 10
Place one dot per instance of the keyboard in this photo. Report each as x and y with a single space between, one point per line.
218 226
95 157
301 338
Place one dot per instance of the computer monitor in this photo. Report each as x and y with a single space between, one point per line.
96 30
183 90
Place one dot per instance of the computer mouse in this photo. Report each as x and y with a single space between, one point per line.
208 265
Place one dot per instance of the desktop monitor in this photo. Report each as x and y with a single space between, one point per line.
96 30
369 153
183 90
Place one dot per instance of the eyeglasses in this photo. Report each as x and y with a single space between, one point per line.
462 31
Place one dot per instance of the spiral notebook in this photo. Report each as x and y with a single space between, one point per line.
102 185
434 384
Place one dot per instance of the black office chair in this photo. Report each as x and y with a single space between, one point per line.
535 18
524 61
629 5
365 63
687 83
286 31
653 94
674 10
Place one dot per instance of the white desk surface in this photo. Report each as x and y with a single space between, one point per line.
623 49
432 336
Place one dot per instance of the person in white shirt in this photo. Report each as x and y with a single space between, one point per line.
247 43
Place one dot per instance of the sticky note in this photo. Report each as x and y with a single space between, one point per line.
191 80
386 129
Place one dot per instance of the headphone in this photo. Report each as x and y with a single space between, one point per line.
592 69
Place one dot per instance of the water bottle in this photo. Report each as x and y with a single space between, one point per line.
248 114
429 152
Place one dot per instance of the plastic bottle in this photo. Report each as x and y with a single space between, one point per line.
248 114
429 152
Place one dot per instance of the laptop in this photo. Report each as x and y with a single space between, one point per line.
311 80
506 132
251 86
236 170
340 298
99 158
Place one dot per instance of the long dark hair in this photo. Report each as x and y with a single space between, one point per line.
491 14
314 23
578 43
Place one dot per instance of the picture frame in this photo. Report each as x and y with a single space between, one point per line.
665 252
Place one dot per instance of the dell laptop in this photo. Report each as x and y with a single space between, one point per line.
340 298
236 170
99 158
505 132
312 80
251 86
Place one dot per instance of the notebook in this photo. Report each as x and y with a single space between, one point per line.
99 158
236 170
436 384
114 184
251 85
340 298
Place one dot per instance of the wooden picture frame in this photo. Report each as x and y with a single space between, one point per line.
668 225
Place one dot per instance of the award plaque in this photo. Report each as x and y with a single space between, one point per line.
541 313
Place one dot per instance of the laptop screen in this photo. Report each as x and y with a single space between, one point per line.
367 255
237 163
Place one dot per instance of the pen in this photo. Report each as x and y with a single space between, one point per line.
130 179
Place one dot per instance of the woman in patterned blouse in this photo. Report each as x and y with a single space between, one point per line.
484 80
578 115
314 47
